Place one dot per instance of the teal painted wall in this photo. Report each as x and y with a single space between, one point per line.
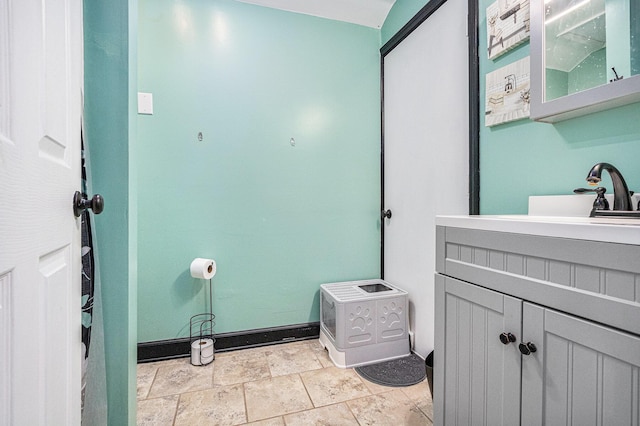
278 219
132 354
525 158
635 37
108 134
401 12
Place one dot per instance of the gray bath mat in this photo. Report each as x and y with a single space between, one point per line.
399 372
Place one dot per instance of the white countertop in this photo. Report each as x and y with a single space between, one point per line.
624 231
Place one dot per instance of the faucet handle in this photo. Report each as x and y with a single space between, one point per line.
597 189
600 203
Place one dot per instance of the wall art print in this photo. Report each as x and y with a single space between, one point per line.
507 93
508 25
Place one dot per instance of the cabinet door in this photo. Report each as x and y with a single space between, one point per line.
582 373
476 377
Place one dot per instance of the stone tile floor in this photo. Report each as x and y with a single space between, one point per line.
287 384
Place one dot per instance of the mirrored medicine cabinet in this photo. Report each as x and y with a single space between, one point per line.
585 56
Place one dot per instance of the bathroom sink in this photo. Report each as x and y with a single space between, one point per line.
566 219
569 205
624 231
560 216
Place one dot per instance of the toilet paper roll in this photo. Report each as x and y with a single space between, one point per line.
201 351
203 268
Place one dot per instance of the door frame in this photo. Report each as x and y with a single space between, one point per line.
474 102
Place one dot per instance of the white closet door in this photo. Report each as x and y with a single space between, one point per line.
426 151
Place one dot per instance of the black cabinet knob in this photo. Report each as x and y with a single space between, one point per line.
527 348
507 338
385 213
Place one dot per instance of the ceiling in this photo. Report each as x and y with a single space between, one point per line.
370 13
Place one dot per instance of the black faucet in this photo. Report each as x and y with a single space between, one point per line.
621 197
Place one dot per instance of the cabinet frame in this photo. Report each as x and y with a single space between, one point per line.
590 279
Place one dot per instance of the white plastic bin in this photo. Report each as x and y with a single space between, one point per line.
363 322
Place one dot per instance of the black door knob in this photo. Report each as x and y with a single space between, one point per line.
386 213
507 338
80 203
527 348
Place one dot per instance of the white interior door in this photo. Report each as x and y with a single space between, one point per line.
40 263
426 144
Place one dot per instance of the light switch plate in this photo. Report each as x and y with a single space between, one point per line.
145 103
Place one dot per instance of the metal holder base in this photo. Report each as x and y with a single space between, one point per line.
201 333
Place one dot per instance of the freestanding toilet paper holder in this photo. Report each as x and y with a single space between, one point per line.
201 335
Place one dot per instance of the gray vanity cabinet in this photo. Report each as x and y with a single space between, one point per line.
495 292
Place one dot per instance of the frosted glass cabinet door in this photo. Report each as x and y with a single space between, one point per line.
479 381
591 372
